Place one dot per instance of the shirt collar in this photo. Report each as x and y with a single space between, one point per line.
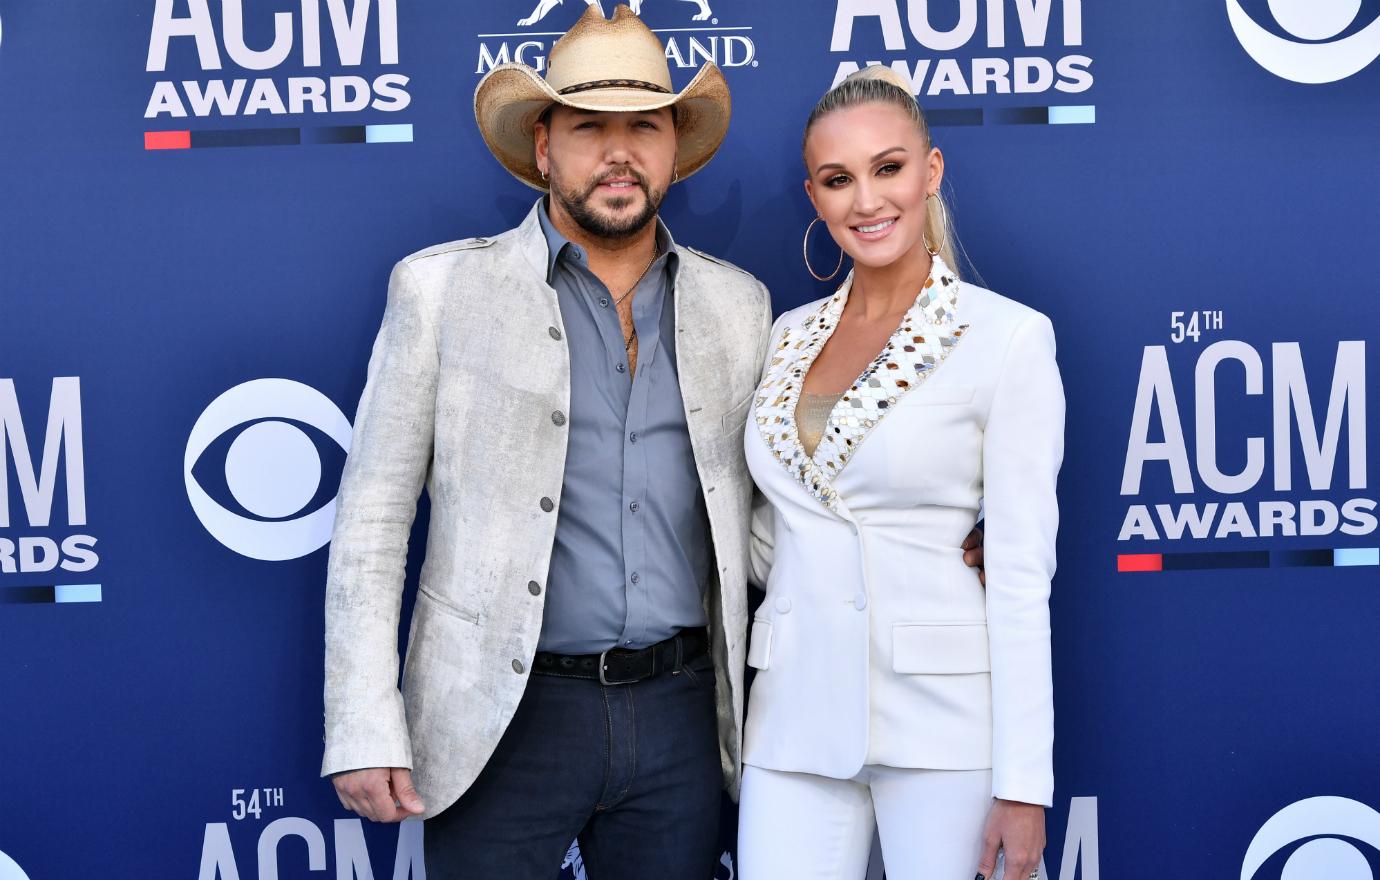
559 247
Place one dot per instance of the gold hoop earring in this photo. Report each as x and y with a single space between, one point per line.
805 252
944 212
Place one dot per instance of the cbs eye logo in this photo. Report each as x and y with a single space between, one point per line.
1318 55
10 870
1313 839
254 446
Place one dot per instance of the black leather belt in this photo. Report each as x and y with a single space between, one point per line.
625 666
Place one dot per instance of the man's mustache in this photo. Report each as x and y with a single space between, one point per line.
625 172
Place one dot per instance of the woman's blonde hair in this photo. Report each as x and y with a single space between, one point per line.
879 84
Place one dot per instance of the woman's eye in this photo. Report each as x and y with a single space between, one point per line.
837 180
889 168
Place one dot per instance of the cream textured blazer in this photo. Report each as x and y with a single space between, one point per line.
467 374
876 643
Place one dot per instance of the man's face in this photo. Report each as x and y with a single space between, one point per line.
608 171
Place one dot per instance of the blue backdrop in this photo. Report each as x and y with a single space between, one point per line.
196 196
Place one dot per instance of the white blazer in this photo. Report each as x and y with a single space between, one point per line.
876 644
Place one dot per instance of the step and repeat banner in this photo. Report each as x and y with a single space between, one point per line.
200 203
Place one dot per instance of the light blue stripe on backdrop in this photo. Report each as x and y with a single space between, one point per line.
77 593
1356 556
1081 115
388 134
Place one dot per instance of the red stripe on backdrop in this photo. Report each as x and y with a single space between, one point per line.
1140 562
167 140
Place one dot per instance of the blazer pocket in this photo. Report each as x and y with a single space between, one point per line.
733 419
759 645
446 606
940 648
943 395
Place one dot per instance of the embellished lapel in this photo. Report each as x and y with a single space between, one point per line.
927 334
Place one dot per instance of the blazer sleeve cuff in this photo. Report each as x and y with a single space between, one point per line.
1026 789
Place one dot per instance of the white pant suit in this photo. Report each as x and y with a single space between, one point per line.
891 686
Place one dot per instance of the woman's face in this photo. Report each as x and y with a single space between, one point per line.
870 172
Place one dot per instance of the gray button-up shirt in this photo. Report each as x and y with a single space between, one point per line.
631 557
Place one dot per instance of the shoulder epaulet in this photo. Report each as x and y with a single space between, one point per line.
464 244
713 259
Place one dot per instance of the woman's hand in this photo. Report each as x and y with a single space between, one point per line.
972 553
1019 829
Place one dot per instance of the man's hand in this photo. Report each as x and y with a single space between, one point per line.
972 553
380 794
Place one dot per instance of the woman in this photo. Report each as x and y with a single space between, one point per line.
892 690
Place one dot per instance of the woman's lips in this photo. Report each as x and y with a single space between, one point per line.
874 231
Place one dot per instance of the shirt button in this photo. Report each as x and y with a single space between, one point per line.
547 505
860 601
632 438
603 302
558 417
518 667
636 577
534 588
622 368
555 333
634 507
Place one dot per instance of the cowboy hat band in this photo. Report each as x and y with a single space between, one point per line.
611 84
609 65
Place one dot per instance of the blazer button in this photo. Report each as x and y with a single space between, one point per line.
860 601
548 505
558 417
518 667
555 333
534 588
783 605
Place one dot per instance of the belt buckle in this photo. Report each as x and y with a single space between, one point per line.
603 670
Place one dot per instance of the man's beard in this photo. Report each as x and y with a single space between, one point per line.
577 204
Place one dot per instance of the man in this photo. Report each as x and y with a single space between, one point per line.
573 394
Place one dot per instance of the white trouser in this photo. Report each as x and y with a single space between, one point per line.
797 826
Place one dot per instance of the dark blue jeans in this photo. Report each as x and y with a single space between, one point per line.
631 770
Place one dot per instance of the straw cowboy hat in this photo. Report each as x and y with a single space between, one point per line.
615 64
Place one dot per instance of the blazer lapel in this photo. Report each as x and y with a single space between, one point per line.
925 338
779 392
699 352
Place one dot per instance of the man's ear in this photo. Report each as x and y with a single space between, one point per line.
540 140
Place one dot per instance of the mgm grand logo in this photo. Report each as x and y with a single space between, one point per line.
691 39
